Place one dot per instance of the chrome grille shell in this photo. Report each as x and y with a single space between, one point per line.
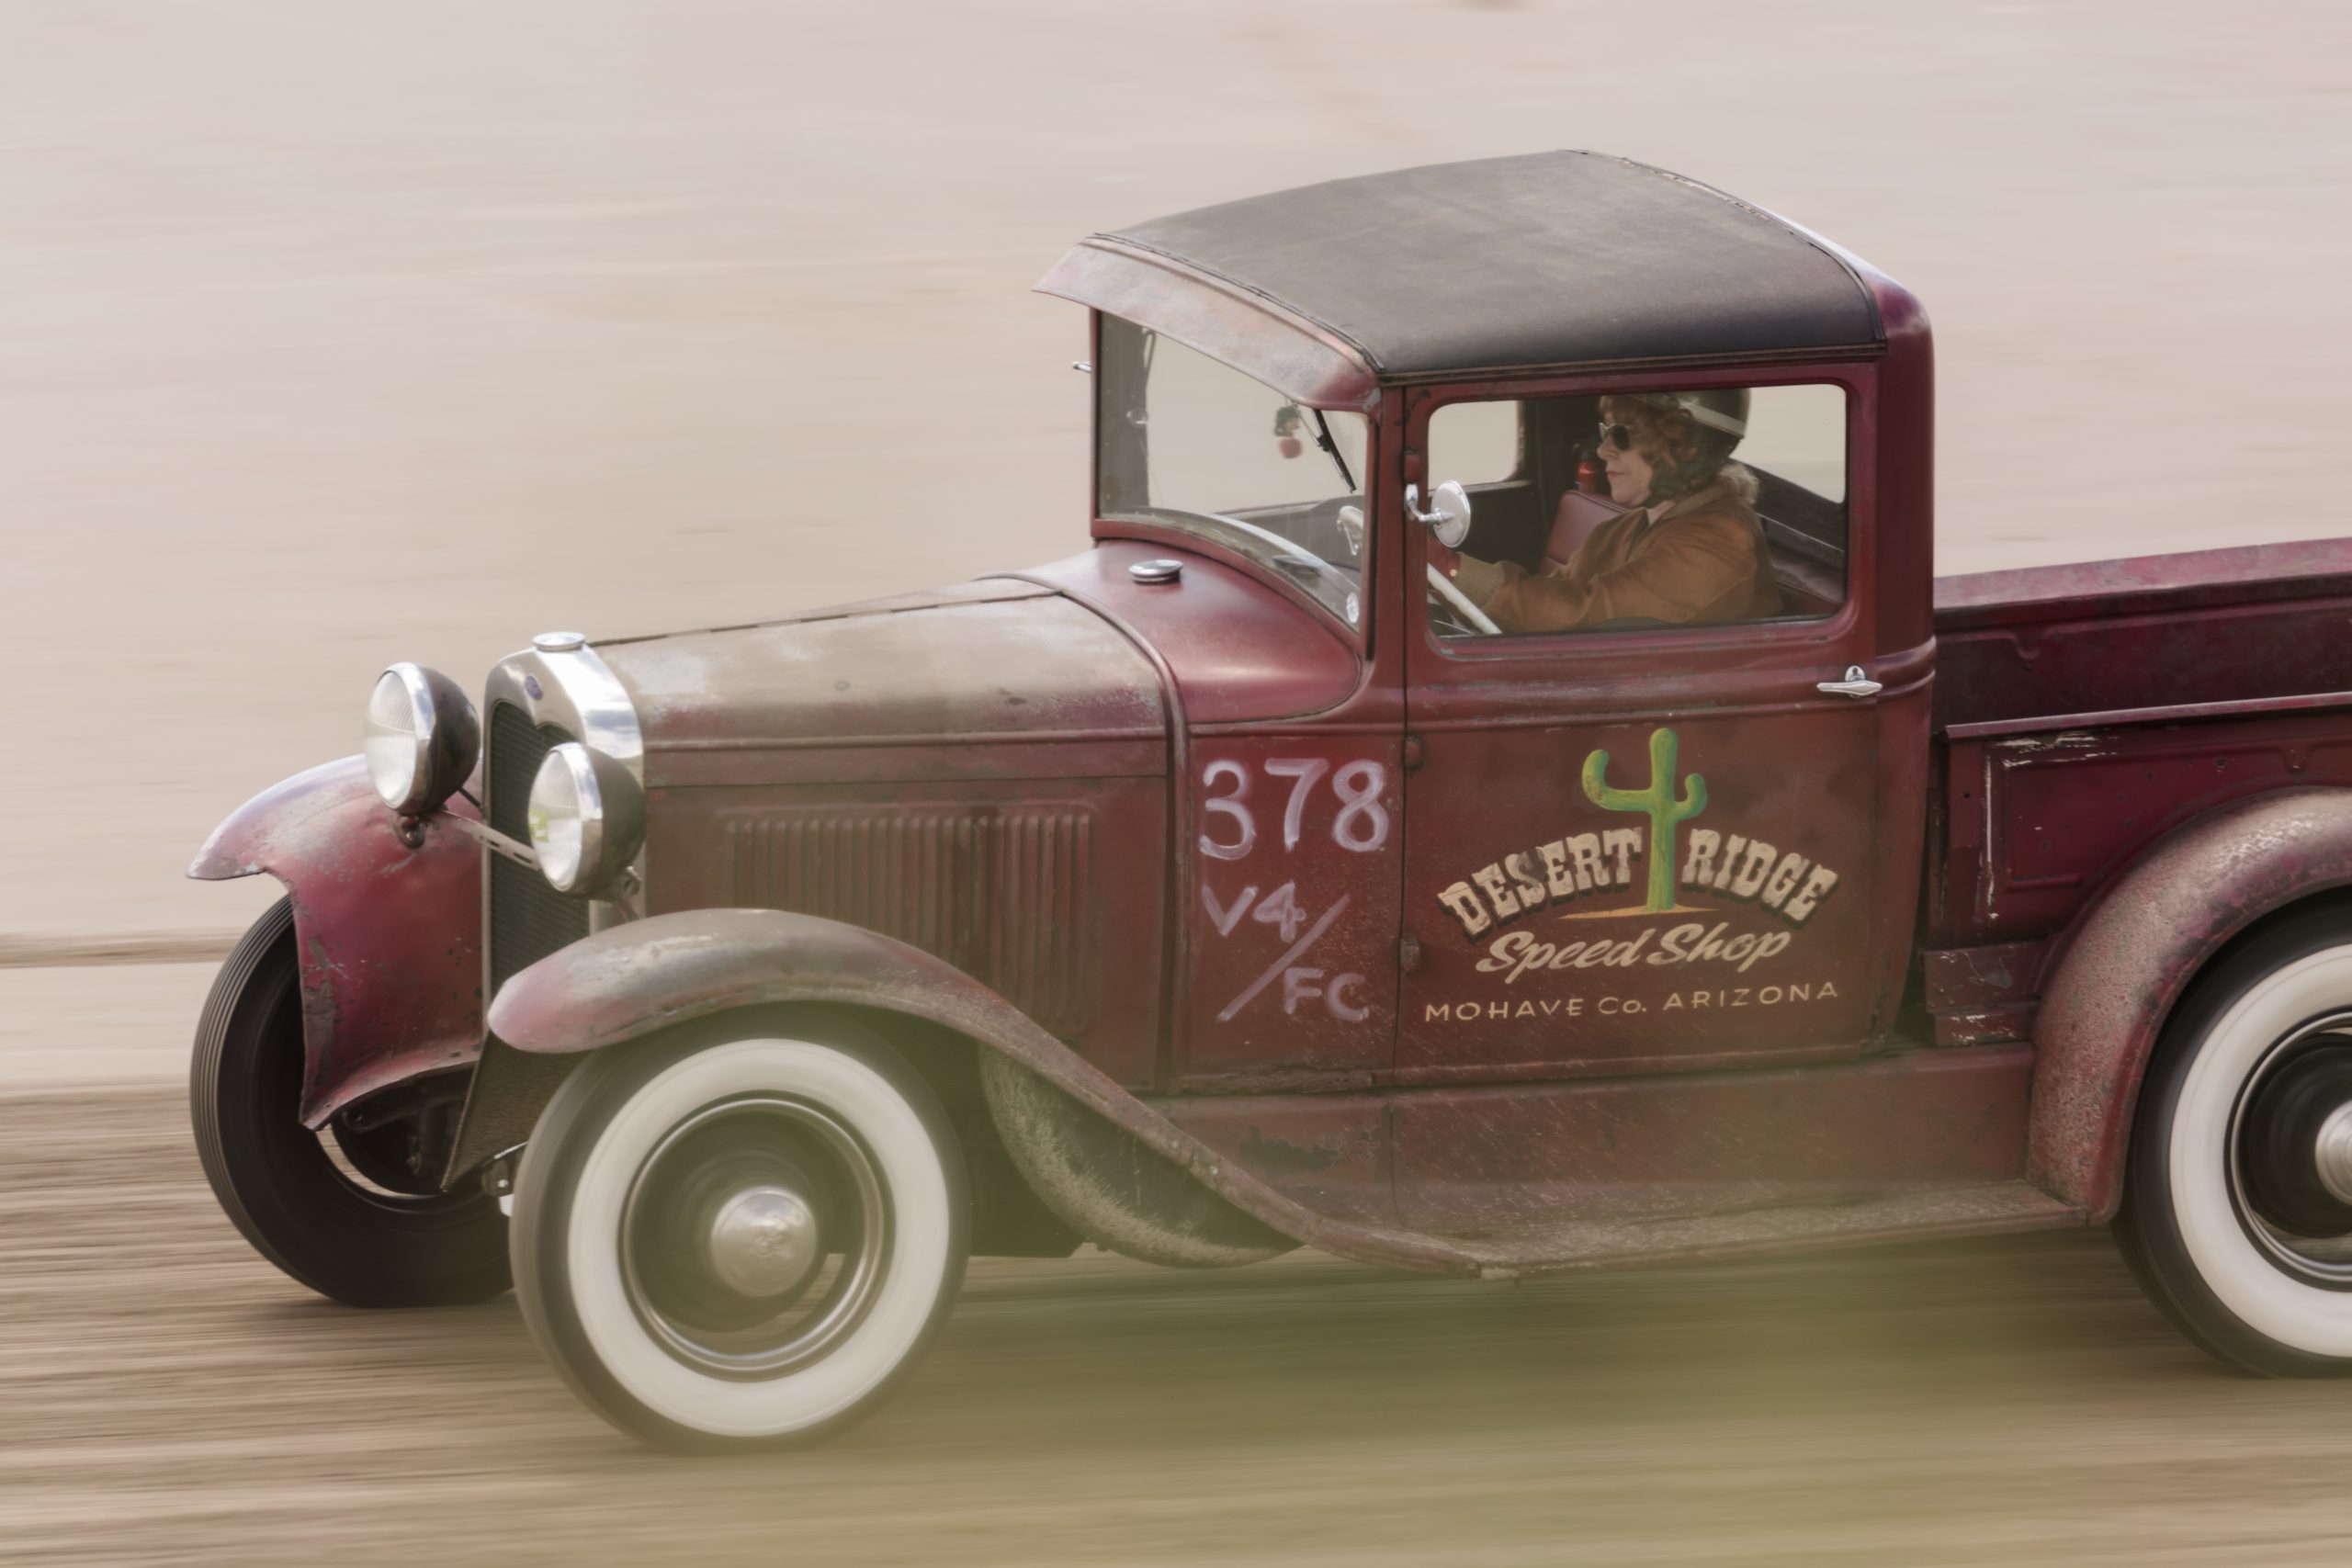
534 701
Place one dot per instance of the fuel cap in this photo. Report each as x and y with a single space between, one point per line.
560 642
1161 570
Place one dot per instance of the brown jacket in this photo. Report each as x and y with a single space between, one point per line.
1695 561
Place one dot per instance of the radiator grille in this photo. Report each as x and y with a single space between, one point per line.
528 920
1004 895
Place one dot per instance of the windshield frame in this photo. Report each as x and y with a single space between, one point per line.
1121 466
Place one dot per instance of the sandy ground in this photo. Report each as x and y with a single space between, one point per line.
333 334
171 1399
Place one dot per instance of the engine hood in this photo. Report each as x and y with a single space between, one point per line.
1069 667
991 662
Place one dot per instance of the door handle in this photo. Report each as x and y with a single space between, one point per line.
1857 684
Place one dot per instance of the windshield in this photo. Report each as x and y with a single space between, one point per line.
1187 443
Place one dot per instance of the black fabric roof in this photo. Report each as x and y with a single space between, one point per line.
1550 258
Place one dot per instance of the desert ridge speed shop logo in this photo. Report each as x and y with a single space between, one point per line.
1678 868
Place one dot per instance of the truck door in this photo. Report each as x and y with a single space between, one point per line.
1639 845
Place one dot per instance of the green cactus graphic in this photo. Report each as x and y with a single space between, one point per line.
1665 811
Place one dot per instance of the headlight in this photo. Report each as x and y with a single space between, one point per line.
587 819
422 739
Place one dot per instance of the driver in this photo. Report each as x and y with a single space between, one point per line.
1688 550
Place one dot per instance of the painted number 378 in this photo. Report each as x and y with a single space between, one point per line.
1231 832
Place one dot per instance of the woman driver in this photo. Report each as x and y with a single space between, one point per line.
1688 550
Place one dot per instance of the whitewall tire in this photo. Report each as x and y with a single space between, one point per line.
743 1242
2237 1205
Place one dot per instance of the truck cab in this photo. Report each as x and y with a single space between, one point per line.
1365 843
1405 881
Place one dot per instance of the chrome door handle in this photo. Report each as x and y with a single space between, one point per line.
1856 685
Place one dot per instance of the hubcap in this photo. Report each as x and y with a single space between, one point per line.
764 1241
755 1236
2334 1156
2290 1153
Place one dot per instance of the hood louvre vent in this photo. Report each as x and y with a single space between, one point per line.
1004 895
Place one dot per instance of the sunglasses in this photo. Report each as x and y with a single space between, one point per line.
1616 437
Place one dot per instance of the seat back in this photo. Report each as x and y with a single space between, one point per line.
1806 588
1580 511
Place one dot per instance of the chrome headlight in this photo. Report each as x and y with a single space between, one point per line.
587 819
422 739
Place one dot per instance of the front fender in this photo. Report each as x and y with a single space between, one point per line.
389 938
633 980
2132 955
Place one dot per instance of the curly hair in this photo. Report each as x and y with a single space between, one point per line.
1683 455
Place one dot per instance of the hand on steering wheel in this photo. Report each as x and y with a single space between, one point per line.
1452 604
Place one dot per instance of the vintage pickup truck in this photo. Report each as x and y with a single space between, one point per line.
1242 882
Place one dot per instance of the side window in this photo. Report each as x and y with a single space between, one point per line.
1482 442
1641 509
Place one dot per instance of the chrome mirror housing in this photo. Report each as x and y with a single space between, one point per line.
1448 518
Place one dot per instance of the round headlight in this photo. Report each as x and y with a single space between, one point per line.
422 739
587 817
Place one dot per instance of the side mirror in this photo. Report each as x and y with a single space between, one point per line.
1448 517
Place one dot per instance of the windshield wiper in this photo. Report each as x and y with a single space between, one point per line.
1290 416
1323 439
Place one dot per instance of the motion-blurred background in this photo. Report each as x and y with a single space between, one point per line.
334 333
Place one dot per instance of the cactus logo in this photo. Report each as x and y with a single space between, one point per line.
1693 871
1665 813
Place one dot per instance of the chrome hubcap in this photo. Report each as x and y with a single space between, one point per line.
764 1241
2333 1155
755 1237
2290 1153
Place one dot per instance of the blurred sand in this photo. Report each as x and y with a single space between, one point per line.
95 1025
171 1399
333 334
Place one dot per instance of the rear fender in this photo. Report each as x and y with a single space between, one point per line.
2133 952
635 980
389 937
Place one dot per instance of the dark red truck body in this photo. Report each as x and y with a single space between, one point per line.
2085 711
1209 843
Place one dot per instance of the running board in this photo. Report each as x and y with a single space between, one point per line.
1982 1209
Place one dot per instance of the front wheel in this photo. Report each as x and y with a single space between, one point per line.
361 1230
2237 1207
740 1241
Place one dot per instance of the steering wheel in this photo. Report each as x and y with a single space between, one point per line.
1285 546
1452 614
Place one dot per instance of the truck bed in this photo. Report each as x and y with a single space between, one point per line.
2083 711
2238 625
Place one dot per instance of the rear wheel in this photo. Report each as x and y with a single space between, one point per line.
727 1242
392 1241
2237 1208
